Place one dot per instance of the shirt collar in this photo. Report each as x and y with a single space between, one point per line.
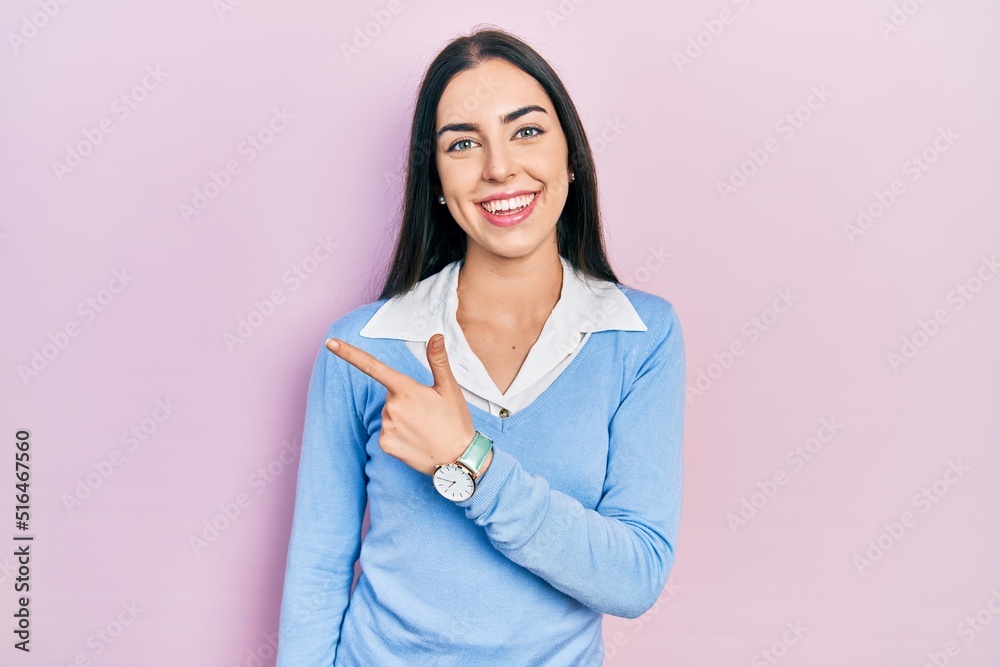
585 304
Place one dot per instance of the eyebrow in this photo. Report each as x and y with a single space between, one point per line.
505 119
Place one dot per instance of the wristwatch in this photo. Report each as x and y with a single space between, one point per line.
457 481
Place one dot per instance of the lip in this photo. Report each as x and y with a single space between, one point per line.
508 195
510 219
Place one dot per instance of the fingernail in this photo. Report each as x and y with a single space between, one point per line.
332 344
438 343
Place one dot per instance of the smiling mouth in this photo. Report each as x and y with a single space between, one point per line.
508 206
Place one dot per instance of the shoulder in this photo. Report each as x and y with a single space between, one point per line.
347 326
663 343
657 313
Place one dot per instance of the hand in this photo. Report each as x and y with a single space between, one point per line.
421 426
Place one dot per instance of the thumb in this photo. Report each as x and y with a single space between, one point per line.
437 358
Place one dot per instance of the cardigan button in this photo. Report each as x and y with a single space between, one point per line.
504 412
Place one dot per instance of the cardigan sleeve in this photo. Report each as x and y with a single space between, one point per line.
325 541
614 559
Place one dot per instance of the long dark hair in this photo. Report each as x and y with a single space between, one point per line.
429 238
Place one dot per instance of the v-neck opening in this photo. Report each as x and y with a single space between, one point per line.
481 377
530 407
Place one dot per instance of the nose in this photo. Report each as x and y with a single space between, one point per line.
499 163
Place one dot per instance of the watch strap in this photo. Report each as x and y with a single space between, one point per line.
475 454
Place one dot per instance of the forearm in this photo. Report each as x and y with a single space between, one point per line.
615 565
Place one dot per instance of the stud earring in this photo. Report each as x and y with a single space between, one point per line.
441 199
572 177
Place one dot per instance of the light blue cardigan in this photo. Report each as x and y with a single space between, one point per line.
576 517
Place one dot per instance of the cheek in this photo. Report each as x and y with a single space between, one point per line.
556 186
546 168
458 175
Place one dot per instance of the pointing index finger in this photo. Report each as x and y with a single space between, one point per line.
388 377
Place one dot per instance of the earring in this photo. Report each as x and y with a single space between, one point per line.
441 199
572 177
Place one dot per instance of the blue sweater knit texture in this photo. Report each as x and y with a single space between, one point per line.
576 517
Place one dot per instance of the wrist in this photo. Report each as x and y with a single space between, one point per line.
486 463
457 481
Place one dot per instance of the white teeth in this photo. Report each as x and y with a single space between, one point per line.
511 204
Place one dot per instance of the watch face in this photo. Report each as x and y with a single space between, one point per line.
454 482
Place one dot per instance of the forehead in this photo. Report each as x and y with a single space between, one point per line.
487 91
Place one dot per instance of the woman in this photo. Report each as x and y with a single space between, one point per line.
523 478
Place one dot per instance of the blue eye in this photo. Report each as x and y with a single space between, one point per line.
530 128
451 149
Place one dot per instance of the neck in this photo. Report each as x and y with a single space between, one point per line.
510 291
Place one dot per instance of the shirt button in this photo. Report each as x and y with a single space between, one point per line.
504 412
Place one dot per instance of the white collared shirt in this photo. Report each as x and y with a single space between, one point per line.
585 305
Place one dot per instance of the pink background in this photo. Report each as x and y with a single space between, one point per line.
666 133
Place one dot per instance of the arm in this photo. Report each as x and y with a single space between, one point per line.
330 500
614 559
